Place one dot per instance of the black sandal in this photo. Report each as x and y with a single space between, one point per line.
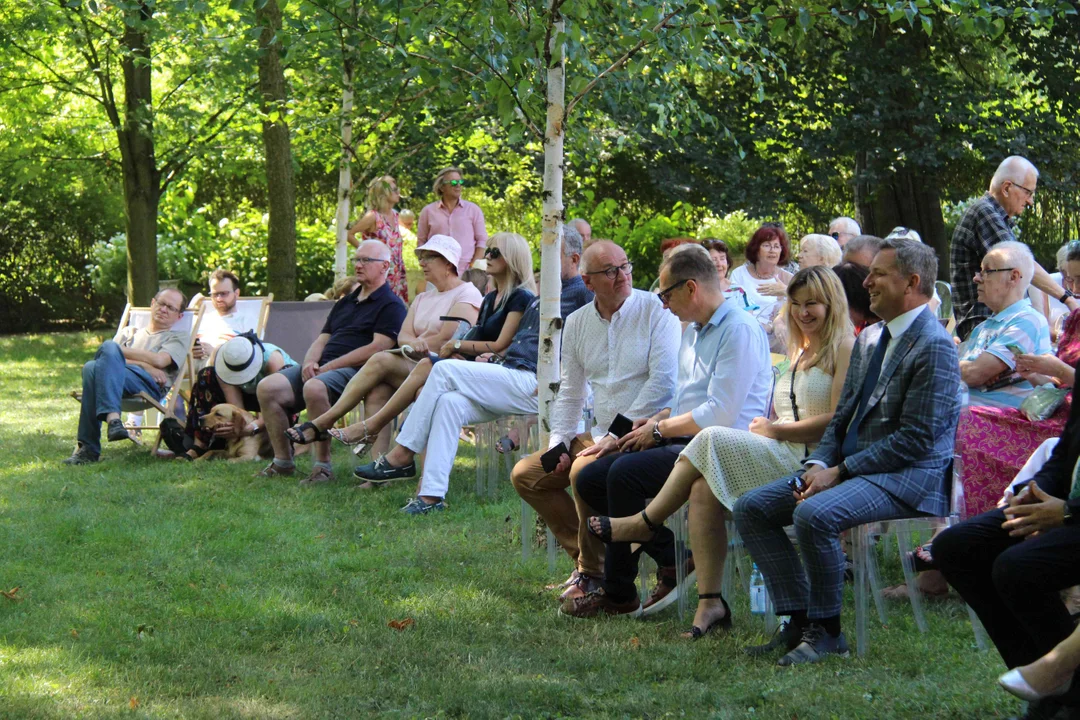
296 433
724 623
605 528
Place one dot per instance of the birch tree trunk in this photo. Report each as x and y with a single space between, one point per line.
344 196
547 369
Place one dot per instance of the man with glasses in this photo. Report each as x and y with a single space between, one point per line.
222 323
988 357
624 345
136 360
843 229
988 221
453 216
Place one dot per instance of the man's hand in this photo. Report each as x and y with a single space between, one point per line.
640 438
159 375
197 350
1033 512
818 479
763 426
230 431
309 370
602 447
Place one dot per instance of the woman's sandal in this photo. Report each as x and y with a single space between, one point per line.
359 447
921 559
724 623
296 433
605 528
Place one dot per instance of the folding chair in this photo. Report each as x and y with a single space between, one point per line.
294 326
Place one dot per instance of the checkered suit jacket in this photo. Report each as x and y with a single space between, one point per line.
905 441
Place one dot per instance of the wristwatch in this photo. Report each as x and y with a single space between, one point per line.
457 344
656 434
1068 294
843 473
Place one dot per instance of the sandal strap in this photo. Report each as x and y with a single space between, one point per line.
649 523
710 596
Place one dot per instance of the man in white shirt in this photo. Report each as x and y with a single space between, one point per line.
221 324
624 344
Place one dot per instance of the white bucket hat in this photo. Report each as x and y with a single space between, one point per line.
239 360
445 245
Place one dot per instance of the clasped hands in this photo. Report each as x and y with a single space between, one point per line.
817 479
1031 512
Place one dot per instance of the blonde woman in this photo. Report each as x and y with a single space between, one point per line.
509 263
720 463
380 223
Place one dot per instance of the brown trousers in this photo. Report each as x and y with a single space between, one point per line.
546 493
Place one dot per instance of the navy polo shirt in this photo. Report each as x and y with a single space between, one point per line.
353 323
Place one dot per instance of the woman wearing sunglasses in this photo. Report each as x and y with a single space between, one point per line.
451 215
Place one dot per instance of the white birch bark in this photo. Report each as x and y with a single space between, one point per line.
344 195
547 372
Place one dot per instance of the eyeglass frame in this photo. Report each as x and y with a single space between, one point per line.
367 260
167 306
1029 191
983 273
613 272
665 295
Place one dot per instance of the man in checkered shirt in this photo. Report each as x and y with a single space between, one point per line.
988 221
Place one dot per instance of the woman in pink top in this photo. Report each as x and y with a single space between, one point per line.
380 223
422 332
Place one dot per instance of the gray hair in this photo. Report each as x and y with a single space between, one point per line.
1072 251
1019 256
863 242
914 258
1015 169
847 224
571 239
691 262
825 246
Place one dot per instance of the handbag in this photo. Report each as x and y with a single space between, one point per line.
1043 402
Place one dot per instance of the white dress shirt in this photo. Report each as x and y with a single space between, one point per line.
631 362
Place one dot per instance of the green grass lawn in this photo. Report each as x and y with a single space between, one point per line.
166 589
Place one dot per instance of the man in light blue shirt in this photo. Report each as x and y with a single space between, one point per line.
724 379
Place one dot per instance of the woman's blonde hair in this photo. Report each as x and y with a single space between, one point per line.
824 287
378 193
441 177
516 252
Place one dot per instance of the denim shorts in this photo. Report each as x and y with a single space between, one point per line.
334 380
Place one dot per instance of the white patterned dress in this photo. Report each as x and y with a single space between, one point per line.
735 461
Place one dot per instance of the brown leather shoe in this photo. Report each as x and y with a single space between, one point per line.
598 603
665 591
273 470
582 585
319 476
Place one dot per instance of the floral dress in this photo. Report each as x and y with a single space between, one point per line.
389 234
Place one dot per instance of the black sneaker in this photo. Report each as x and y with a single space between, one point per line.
816 644
381 471
117 431
82 456
786 638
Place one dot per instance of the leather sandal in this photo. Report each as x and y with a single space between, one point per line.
296 433
605 528
724 623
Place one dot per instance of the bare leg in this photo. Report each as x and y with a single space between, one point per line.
375 402
276 399
317 399
380 368
708 536
1054 669
671 497
380 413
400 456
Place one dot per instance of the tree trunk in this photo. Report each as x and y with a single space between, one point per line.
547 373
281 188
344 196
139 166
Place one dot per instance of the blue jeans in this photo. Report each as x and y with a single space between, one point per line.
105 381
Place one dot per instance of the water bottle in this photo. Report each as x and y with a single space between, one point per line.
759 596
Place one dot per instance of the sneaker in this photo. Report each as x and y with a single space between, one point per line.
666 591
785 638
416 506
117 431
583 585
381 471
82 456
816 644
598 603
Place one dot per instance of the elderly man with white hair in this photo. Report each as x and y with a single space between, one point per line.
987 222
988 357
843 229
584 228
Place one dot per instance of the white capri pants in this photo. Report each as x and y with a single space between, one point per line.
459 393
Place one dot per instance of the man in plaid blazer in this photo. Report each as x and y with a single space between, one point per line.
884 456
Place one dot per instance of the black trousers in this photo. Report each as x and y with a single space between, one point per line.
1013 585
620 485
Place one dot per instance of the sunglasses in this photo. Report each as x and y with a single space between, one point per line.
493 253
455 183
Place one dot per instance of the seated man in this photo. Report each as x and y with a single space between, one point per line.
989 355
221 322
625 345
725 379
136 360
1011 563
883 456
362 323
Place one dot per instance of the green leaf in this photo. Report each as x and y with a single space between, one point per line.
805 20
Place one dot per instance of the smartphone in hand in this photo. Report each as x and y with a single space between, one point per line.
621 425
550 460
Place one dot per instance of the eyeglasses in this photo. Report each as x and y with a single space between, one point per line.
455 183
1029 191
835 235
665 295
991 271
367 260
493 252
428 257
612 272
221 294
167 306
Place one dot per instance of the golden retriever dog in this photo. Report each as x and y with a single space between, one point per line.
238 449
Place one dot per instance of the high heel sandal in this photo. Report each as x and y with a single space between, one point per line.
605 528
359 447
724 623
296 433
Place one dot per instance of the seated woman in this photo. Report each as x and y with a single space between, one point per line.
422 332
817 250
720 464
509 262
764 279
994 442
232 377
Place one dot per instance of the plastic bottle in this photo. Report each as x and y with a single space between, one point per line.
759 596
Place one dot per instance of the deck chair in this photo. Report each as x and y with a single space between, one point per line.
139 317
294 326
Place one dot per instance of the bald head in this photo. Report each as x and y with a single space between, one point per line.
601 254
1017 170
374 249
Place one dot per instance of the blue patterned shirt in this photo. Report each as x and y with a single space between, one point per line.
1019 325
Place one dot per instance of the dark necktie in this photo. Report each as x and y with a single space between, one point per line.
873 372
